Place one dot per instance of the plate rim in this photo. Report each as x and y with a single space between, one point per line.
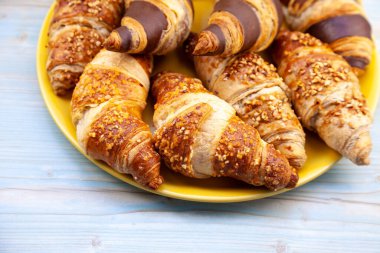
176 195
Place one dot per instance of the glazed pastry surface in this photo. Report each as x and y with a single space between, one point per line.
326 94
76 34
199 135
106 109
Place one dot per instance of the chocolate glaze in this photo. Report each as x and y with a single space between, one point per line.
280 14
215 29
357 62
247 17
335 28
285 2
151 18
126 37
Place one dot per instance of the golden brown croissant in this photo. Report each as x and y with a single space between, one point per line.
238 25
259 96
152 26
106 109
199 135
76 34
341 23
325 93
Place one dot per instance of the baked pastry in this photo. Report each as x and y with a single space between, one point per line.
325 93
259 96
107 105
76 35
341 23
152 26
199 135
238 25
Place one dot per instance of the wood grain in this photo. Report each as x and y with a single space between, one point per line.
53 200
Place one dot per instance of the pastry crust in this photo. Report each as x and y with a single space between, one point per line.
76 34
326 94
152 26
106 109
199 135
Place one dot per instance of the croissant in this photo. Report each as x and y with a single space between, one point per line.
152 26
341 23
76 34
238 25
325 93
259 96
107 105
199 135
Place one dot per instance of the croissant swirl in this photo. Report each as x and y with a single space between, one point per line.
238 25
76 35
259 96
106 110
325 93
341 23
152 26
199 135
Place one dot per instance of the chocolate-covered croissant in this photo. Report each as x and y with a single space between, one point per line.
340 23
152 26
238 25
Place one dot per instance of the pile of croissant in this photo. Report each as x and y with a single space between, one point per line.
243 118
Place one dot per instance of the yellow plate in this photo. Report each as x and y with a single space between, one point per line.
321 158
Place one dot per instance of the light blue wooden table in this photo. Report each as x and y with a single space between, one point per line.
53 200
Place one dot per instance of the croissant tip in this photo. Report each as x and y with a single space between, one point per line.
156 182
297 163
361 151
293 179
363 159
366 161
204 45
112 43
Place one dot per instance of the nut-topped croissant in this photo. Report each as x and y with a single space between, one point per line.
341 23
152 26
77 32
259 96
325 93
199 135
107 105
239 25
